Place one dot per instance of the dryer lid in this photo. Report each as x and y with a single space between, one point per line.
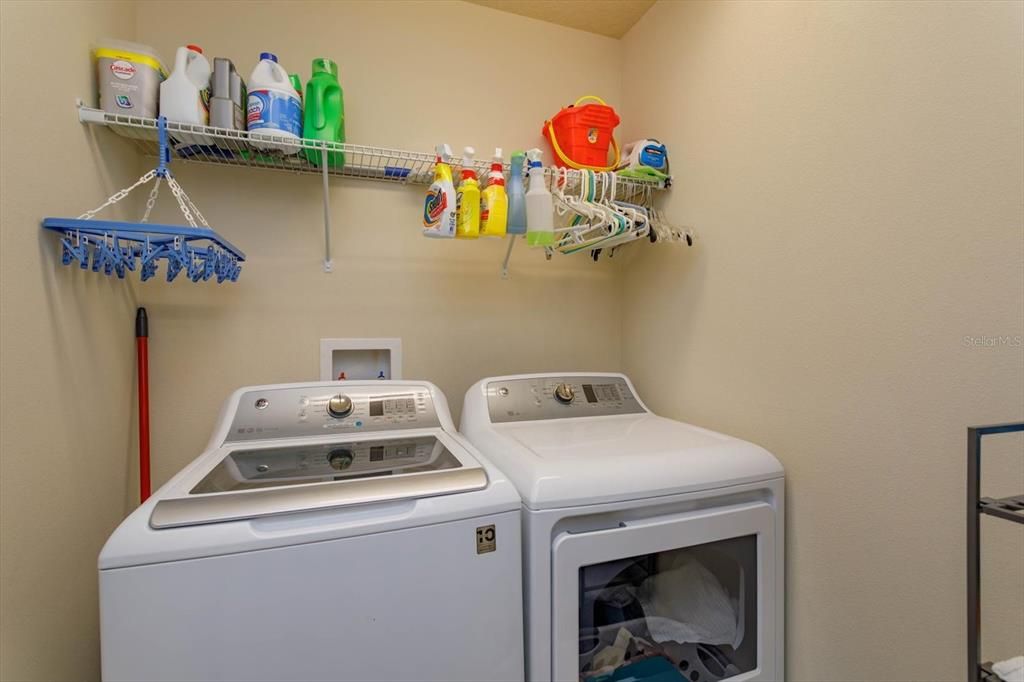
573 462
253 480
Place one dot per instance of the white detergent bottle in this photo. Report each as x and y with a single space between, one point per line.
185 95
274 108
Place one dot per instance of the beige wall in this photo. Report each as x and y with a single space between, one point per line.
854 172
68 470
66 347
407 87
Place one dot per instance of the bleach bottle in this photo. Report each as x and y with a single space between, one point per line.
274 109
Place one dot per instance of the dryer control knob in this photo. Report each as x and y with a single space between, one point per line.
340 406
564 393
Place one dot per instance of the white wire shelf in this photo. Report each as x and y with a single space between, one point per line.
224 147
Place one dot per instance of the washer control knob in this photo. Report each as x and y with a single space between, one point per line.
564 393
340 406
340 459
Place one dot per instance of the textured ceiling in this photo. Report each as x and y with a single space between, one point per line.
610 18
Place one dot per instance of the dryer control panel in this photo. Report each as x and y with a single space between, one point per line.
319 410
530 399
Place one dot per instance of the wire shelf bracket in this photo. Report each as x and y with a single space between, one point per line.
117 247
328 261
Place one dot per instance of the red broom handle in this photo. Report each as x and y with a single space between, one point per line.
142 346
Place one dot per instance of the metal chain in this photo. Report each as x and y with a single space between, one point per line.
151 201
117 196
176 189
195 209
185 203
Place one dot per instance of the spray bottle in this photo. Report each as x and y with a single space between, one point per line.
494 201
516 197
439 216
540 210
467 201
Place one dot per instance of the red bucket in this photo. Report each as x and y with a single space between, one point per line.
581 135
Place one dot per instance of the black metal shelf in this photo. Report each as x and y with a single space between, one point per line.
1008 508
986 674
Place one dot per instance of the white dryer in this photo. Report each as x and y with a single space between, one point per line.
330 531
653 549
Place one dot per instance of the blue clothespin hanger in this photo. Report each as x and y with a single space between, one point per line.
115 247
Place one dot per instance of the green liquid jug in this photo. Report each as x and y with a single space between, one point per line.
324 115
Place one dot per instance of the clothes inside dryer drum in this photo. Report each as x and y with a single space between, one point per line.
691 606
701 611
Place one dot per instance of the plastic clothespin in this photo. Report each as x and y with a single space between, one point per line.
174 266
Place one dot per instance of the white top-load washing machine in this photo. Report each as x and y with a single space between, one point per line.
653 549
330 531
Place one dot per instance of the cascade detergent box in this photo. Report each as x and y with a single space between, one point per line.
128 78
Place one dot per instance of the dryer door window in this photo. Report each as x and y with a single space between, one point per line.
689 612
691 609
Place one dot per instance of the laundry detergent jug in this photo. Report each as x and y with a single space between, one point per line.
324 112
274 109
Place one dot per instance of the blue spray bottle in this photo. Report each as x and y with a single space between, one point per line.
516 195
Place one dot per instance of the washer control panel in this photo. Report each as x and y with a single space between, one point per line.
530 399
329 460
318 410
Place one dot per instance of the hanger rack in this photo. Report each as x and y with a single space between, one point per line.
224 147
601 211
116 247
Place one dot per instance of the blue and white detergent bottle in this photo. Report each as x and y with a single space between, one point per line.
273 109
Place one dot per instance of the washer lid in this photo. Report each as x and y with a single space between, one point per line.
252 480
572 462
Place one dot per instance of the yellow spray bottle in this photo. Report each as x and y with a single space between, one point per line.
439 215
494 203
467 200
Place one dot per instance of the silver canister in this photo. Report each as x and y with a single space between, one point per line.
227 96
